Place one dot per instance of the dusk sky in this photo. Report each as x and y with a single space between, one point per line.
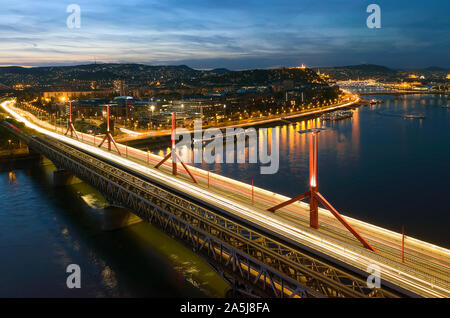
228 33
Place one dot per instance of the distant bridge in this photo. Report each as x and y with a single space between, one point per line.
402 93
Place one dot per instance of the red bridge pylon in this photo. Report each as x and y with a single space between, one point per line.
108 135
70 126
314 196
175 156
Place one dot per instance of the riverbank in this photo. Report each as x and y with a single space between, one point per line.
154 136
12 149
17 154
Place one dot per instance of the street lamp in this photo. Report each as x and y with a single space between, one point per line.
152 108
314 196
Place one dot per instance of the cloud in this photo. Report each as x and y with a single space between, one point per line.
227 33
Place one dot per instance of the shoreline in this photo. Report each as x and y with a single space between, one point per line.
167 133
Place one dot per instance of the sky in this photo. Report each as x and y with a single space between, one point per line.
234 34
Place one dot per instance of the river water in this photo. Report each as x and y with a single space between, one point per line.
377 167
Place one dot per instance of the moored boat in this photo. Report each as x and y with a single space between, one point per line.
414 116
337 115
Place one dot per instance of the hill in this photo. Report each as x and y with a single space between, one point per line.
258 77
84 77
101 73
363 71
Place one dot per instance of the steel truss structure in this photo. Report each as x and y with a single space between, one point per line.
255 263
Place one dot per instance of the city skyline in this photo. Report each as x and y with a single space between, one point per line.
228 34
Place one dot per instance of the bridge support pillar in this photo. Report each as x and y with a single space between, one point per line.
313 210
64 177
114 218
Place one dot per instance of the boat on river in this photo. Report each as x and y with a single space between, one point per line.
414 116
375 101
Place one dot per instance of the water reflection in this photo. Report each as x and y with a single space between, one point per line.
11 177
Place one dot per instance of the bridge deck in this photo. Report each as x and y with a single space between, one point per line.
426 270
423 261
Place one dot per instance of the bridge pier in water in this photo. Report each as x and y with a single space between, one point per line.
114 218
63 177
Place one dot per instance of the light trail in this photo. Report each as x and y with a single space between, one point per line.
360 259
131 132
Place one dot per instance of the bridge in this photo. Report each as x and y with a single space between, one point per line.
226 222
400 93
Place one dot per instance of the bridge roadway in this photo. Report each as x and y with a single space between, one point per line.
426 270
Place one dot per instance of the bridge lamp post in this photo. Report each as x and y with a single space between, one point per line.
108 135
70 126
175 156
314 195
